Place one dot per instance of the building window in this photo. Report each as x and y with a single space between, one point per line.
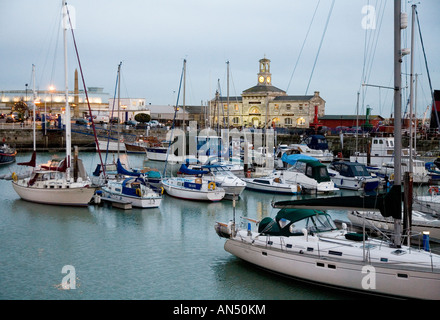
301 121
236 120
288 121
288 107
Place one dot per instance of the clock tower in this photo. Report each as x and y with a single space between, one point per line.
264 76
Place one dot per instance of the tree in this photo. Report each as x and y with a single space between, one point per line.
142 117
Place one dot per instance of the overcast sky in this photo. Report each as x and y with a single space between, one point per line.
152 38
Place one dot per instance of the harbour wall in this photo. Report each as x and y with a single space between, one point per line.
54 139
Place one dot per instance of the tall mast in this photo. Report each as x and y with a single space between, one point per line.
227 102
66 92
397 114
184 92
119 104
411 94
34 97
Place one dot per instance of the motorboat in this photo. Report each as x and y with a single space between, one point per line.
308 172
315 146
272 184
7 154
353 176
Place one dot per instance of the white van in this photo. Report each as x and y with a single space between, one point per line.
101 119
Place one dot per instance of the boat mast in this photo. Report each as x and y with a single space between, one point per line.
397 114
119 104
66 93
34 97
411 94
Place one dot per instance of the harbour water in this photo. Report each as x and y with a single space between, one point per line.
168 253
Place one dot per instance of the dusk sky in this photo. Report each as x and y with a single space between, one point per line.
152 38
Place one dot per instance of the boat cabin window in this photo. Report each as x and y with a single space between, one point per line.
318 223
360 170
309 172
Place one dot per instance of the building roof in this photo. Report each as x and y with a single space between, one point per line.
231 99
263 89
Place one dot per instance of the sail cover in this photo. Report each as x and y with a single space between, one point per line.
388 204
123 171
31 163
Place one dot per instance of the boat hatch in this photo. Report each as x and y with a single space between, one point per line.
398 252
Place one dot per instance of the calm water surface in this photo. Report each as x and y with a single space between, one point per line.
170 253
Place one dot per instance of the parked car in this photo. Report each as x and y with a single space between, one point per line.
153 124
131 123
81 121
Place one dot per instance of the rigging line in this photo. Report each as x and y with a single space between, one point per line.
427 70
85 89
368 68
302 47
367 64
370 63
320 44
56 21
174 120
111 114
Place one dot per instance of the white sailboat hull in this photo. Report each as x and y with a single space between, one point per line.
156 153
282 188
373 278
420 222
76 196
111 146
193 194
145 203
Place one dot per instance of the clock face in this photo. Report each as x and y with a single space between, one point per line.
268 79
261 79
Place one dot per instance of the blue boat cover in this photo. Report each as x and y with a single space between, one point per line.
292 158
185 170
122 170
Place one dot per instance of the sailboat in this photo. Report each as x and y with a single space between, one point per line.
130 186
190 187
303 241
58 182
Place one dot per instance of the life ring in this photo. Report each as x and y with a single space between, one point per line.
161 190
392 177
211 185
433 190
139 192
14 176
